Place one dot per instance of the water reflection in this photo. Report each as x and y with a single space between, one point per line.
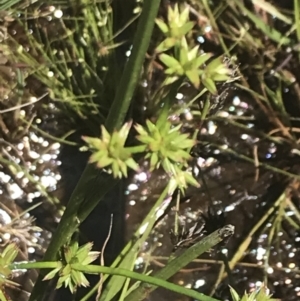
235 189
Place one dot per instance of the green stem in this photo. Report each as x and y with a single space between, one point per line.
167 103
35 265
128 255
87 193
150 280
133 68
297 20
2 296
95 269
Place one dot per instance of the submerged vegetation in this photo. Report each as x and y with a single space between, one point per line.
196 104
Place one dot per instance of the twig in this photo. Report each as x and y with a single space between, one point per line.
256 163
102 257
177 212
24 104
218 280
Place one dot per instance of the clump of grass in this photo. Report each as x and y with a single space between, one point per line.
74 59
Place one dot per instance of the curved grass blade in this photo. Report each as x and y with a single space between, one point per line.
182 260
